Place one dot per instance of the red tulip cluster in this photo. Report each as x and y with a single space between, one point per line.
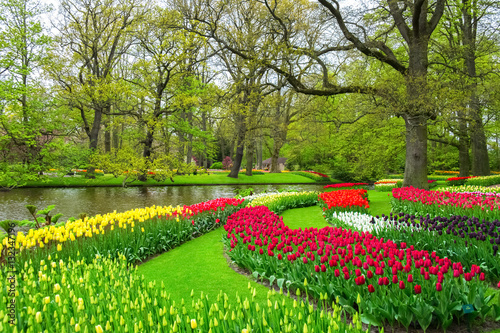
342 262
345 185
344 200
211 205
435 203
451 179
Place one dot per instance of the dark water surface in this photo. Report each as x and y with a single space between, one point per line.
101 200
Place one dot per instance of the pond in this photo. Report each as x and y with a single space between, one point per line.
100 200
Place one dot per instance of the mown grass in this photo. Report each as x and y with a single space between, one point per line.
109 180
200 265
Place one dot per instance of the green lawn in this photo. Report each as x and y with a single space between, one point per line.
200 265
109 180
380 202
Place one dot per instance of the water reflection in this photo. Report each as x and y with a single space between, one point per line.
101 200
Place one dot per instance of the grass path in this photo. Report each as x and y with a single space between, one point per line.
199 265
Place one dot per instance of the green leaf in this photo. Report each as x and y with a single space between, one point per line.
370 319
31 208
56 217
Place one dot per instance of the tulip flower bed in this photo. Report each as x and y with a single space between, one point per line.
386 281
347 185
279 202
344 200
137 234
457 181
415 201
386 185
108 295
484 181
459 238
473 189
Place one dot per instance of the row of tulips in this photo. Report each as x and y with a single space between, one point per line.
137 233
279 202
475 189
458 238
107 295
344 200
457 181
386 281
415 201
386 185
484 181
347 185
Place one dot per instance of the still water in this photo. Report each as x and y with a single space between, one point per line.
101 200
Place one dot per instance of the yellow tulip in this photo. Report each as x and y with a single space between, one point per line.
98 329
193 324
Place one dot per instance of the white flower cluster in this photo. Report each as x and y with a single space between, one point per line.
359 221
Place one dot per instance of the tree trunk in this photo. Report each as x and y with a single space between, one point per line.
93 135
259 153
238 157
107 135
463 146
189 154
416 115
480 158
250 152
416 152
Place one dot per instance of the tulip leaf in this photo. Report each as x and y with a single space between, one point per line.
370 319
280 282
272 278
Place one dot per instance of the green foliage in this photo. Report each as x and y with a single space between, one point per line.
243 192
17 175
216 165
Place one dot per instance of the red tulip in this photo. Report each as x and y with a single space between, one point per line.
394 279
410 278
418 289
439 287
371 289
401 285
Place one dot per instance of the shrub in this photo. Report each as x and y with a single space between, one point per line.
227 163
216 165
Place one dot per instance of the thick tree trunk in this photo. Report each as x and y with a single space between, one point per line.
238 157
250 152
463 157
416 115
416 152
480 158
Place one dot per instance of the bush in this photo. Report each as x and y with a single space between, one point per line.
216 165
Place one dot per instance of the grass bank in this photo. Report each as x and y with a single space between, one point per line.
211 179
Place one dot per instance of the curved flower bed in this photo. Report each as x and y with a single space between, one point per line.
137 233
415 201
387 281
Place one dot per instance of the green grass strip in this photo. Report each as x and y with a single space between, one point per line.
109 180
